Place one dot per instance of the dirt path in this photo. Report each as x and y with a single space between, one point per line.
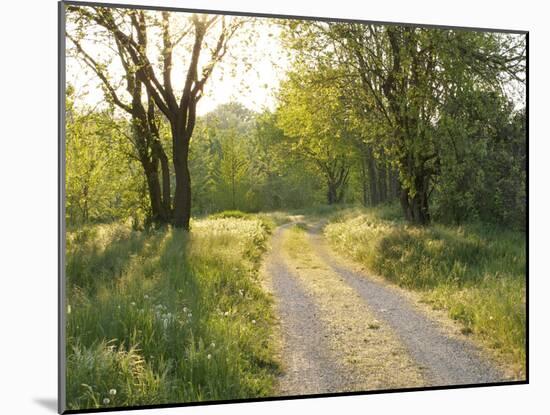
342 331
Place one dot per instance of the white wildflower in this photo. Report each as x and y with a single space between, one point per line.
68 309
112 392
213 344
253 321
133 303
106 401
209 356
226 313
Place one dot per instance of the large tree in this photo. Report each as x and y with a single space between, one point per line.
144 135
203 41
406 76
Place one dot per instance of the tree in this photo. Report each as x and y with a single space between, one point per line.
130 28
144 136
313 118
233 166
406 75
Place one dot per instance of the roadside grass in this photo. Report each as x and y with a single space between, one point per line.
476 272
166 316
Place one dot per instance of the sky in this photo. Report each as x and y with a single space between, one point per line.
253 85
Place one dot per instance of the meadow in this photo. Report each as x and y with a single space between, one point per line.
476 272
167 316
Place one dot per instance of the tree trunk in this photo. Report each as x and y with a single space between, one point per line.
331 193
416 208
382 184
182 193
166 209
364 182
373 188
153 186
395 186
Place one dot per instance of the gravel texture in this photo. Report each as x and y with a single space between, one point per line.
448 360
307 333
308 364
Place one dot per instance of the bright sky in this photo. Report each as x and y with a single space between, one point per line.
232 80
254 85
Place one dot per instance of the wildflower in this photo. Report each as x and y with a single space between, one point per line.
112 392
106 401
226 313
146 296
253 321
209 356
185 309
133 303
68 309
213 344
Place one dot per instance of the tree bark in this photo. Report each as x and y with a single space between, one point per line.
166 211
182 193
382 184
153 187
373 187
416 208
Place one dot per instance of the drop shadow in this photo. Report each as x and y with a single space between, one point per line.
48 403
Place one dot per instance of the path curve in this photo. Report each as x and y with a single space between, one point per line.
312 365
448 360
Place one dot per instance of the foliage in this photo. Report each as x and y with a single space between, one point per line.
102 182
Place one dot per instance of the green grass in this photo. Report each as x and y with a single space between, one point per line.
166 316
476 272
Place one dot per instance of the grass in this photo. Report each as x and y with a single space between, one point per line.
476 272
167 316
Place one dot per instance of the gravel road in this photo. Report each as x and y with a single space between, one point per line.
448 360
311 365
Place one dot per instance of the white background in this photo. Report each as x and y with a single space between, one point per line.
28 189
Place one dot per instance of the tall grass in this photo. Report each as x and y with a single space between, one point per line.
167 316
476 272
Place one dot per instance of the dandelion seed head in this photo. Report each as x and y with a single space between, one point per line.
253 321
112 392
209 356
106 401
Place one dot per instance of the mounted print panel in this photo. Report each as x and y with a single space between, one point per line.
260 207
